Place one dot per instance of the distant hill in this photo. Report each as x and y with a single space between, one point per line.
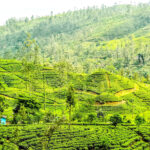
91 38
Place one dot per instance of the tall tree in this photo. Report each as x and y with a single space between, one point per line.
70 101
49 133
44 81
3 105
30 59
27 68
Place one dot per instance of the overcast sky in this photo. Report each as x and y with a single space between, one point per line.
23 8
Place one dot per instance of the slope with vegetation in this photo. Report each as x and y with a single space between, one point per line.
115 38
46 88
81 68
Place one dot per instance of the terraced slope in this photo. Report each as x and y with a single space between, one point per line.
127 91
99 90
79 137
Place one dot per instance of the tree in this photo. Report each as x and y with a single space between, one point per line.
91 117
25 106
30 50
100 114
22 115
70 101
30 58
106 143
63 68
115 119
27 69
11 21
28 102
49 132
44 82
141 58
3 105
26 19
2 87
139 120
16 134
49 117
77 116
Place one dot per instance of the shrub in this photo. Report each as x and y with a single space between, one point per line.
139 120
91 117
78 116
49 117
115 119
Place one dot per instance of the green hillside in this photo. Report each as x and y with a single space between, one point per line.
100 90
77 80
110 38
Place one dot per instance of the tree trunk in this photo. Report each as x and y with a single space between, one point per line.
69 117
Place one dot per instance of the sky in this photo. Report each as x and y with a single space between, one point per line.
27 8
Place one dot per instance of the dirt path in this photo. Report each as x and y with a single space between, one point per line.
110 103
6 96
127 91
88 92
119 94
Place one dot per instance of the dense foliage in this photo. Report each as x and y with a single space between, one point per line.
85 66
115 38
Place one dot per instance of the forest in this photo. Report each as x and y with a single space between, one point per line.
78 80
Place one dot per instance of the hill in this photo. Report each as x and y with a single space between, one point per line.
38 96
48 86
68 80
110 38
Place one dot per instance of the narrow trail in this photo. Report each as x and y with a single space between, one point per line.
6 96
119 94
110 103
88 92
127 91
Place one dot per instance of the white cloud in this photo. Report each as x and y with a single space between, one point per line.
23 8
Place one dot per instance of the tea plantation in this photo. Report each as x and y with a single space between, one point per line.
84 137
34 97
79 80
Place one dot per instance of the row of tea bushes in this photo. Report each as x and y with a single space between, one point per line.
79 137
